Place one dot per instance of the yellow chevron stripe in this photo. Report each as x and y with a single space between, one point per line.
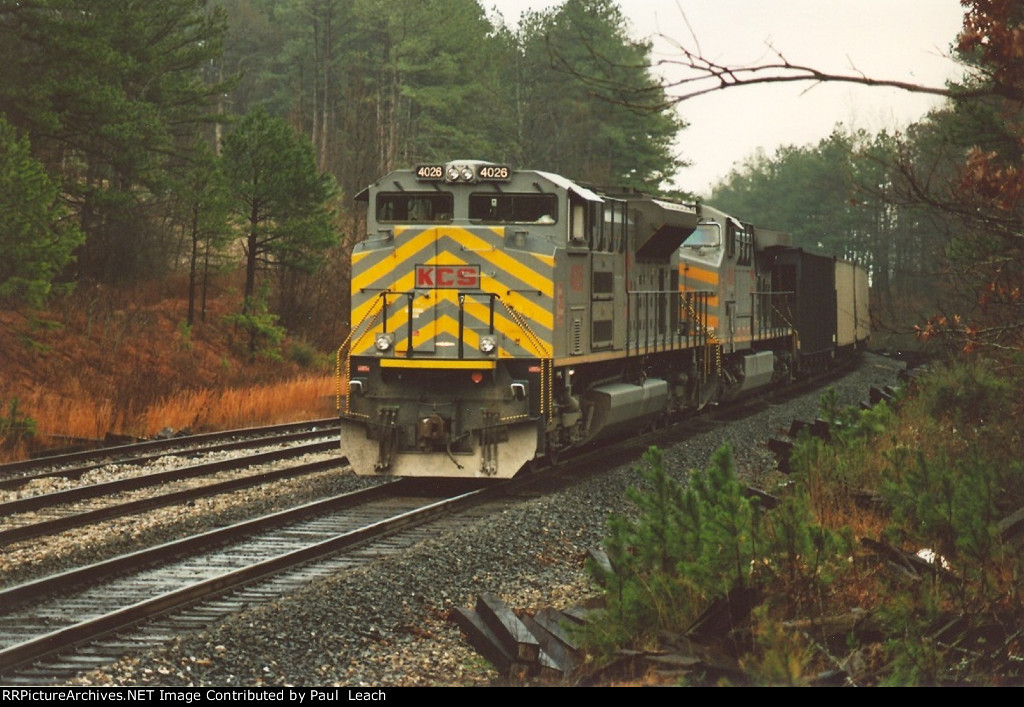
503 261
700 274
446 324
434 326
449 326
403 284
481 247
481 312
523 303
399 255
397 310
543 317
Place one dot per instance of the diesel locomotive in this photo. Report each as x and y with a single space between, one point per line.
502 316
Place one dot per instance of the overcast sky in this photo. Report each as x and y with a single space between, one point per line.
902 40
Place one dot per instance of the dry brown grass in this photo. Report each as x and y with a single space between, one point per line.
122 361
72 413
78 415
304 398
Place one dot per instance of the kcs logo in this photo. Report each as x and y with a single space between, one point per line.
447 276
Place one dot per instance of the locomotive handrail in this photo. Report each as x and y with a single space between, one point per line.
667 338
787 318
348 358
381 305
710 339
763 303
546 361
541 349
409 297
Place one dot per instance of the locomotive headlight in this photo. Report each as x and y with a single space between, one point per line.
452 174
488 344
384 341
467 174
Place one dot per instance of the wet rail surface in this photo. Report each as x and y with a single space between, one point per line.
73 465
47 618
143 489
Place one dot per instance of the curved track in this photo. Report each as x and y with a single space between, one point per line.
73 465
45 513
224 569
54 614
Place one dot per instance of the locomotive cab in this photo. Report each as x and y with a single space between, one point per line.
452 305
746 316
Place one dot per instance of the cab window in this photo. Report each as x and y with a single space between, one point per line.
411 207
706 235
513 208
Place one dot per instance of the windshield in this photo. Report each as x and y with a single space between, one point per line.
410 207
706 235
513 208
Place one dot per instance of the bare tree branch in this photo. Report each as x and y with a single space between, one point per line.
706 76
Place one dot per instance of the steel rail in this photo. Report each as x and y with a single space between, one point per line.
187 441
71 472
34 589
77 520
41 646
32 503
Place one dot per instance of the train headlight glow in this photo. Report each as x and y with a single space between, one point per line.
488 344
384 341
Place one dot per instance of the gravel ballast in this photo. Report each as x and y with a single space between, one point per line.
385 624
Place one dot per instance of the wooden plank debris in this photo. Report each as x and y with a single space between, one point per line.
483 640
519 646
513 635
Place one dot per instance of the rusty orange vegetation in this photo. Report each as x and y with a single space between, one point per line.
123 362
303 398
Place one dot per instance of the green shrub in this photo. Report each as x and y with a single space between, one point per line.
265 336
308 357
850 462
948 505
683 546
967 392
15 426
686 546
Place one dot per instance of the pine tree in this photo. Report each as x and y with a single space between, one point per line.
36 238
278 196
109 93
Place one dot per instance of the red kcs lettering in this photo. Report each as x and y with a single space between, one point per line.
447 276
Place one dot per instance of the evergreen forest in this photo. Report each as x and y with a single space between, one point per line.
144 140
200 137
176 197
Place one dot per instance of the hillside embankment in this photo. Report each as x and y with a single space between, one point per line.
125 362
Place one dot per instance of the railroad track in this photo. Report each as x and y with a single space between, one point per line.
51 616
140 490
75 464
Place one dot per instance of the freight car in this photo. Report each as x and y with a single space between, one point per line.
502 316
